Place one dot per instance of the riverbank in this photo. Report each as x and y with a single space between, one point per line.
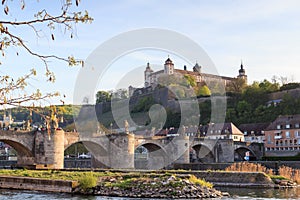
126 183
154 186
37 184
117 184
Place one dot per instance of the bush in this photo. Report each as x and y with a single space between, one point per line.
87 181
193 179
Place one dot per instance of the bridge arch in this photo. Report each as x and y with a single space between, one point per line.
239 154
150 155
201 153
21 149
100 156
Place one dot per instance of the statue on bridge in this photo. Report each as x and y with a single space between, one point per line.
126 126
54 122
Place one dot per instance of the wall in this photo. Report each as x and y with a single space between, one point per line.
24 183
236 179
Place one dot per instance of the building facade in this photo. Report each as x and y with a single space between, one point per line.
216 131
254 132
152 77
282 136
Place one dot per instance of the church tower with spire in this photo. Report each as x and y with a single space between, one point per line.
242 73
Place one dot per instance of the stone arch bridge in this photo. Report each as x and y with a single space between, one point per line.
37 149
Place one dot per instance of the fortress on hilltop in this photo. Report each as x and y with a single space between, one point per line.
151 78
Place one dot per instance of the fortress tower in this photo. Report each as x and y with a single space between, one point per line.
147 74
169 67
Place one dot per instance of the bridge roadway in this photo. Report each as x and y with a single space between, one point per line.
43 149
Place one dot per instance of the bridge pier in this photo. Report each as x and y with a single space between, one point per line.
49 149
121 151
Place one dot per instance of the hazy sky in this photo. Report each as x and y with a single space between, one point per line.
264 34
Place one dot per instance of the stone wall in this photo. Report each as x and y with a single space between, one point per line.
201 166
25 183
236 179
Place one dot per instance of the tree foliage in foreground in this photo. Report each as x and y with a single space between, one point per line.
13 89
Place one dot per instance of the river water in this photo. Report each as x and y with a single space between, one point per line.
236 193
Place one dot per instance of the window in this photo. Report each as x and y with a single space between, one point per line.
296 125
297 134
287 126
278 127
245 132
269 139
287 134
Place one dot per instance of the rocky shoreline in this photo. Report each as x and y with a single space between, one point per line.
172 186
139 184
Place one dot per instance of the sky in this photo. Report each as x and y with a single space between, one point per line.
264 35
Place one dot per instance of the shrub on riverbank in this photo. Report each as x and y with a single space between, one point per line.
193 179
87 181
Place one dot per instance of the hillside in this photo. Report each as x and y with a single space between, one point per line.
254 104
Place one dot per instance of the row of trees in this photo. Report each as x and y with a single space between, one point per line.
108 96
251 105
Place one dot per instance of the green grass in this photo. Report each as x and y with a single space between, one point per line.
278 177
87 181
124 184
50 174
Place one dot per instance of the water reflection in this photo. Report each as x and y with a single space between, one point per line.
237 193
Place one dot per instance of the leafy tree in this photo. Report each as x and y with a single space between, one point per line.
120 94
143 104
191 81
255 95
268 86
13 89
203 91
103 96
290 86
237 86
205 112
